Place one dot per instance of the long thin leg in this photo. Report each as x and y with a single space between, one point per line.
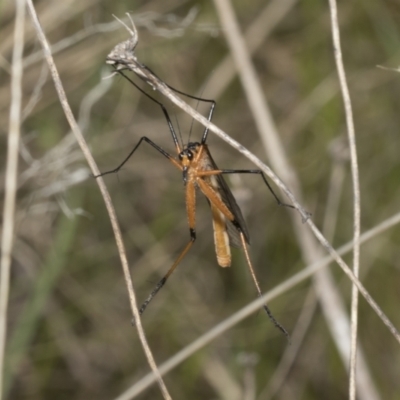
247 171
210 114
213 198
178 91
161 283
171 128
257 285
164 110
150 142
191 212
213 103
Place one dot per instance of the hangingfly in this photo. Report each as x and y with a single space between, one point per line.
200 173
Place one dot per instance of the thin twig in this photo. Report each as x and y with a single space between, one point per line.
310 304
327 292
66 152
146 19
122 57
110 208
252 307
356 192
330 299
223 74
258 105
11 177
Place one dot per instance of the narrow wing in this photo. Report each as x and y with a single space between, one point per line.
219 185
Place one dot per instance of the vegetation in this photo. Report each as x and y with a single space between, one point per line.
69 333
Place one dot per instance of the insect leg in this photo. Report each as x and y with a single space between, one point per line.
210 193
171 128
172 88
150 142
190 206
257 285
161 283
249 171
164 110
210 114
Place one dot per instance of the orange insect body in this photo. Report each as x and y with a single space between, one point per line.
208 184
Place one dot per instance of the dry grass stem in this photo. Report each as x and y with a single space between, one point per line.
356 191
222 75
14 131
329 296
107 199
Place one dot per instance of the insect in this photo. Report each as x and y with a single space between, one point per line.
200 173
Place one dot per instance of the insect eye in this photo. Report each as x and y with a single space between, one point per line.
180 156
189 155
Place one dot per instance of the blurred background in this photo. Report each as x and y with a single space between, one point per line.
70 335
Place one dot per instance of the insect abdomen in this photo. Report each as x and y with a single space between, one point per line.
221 238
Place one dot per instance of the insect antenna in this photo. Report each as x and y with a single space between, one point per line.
197 106
179 130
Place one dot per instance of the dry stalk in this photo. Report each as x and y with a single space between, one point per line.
106 196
